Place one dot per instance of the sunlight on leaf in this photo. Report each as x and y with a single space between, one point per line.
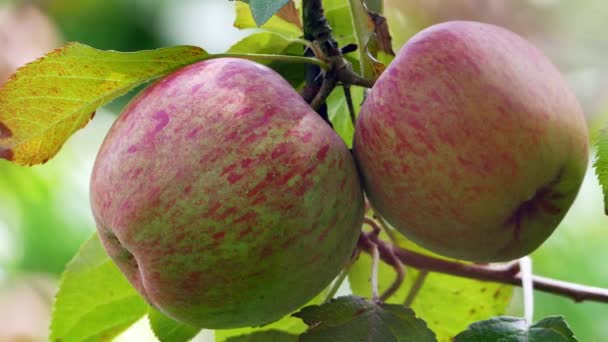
95 301
46 101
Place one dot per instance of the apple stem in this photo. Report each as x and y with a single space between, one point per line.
416 286
525 265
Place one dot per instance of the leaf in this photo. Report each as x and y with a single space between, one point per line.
169 330
95 301
276 24
262 10
469 300
372 35
339 114
356 319
273 43
375 5
513 329
291 14
268 43
46 101
265 336
339 17
601 163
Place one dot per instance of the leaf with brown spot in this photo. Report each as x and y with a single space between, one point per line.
381 38
48 100
373 37
290 13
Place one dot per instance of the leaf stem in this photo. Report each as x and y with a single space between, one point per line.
278 58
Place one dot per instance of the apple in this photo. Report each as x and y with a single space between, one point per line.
471 143
224 198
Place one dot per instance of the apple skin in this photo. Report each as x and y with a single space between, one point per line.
224 198
471 144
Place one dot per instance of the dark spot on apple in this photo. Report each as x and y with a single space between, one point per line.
5 132
217 237
496 294
541 201
322 153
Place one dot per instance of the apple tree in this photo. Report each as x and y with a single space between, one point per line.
241 191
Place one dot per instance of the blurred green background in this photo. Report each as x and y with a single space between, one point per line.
44 210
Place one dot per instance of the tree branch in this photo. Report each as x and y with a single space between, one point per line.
505 274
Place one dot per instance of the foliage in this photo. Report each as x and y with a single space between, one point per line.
50 99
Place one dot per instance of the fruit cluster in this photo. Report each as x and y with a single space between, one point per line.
228 202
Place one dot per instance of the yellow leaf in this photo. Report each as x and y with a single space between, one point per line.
48 100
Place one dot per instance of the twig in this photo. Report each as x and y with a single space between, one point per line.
505 274
416 286
374 240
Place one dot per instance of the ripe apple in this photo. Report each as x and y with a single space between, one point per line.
224 198
471 143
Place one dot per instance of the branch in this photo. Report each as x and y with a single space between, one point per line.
505 274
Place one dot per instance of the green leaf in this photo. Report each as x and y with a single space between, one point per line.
46 101
469 300
513 329
339 17
601 163
356 319
262 10
339 113
273 43
265 336
169 330
95 301
268 43
245 20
